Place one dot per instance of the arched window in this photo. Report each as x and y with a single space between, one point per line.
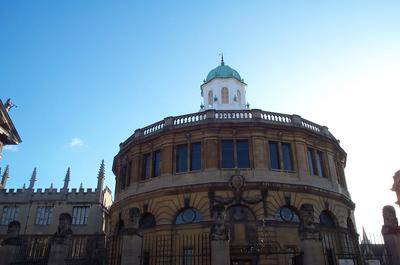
224 95
210 98
239 97
287 214
326 219
188 216
147 221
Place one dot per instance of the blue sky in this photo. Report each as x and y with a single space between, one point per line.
91 72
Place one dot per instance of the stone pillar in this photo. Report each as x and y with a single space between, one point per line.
62 241
131 249
10 248
391 234
220 238
310 238
132 240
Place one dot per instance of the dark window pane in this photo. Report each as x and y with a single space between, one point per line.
274 155
242 153
320 164
146 166
181 158
287 156
227 154
195 156
325 219
156 163
310 155
147 221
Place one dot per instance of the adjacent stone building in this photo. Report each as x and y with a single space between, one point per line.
232 185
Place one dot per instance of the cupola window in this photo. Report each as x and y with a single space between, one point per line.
210 98
239 97
224 95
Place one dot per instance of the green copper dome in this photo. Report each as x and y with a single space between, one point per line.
223 71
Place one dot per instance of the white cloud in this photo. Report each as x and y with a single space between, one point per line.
76 142
11 148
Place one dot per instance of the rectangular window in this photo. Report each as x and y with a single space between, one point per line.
228 159
195 156
182 158
242 153
80 215
311 163
320 164
188 256
9 214
156 163
146 166
44 215
287 156
274 155
340 175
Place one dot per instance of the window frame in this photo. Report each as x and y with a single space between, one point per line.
146 158
9 216
224 96
281 160
318 164
81 217
189 157
235 153
43 215
155 172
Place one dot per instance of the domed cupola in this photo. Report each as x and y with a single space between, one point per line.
223 89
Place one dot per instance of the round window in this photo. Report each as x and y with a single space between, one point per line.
286 214
188 215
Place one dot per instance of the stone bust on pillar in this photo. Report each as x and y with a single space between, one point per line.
64 230
133 221
390 223
219 230
12 237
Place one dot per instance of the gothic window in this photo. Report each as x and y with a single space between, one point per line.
210 98
287 214
281 156
10 213
326 220
239 97
80 215
224 95
188 216
147 221
43 215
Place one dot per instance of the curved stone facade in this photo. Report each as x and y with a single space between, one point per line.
260 167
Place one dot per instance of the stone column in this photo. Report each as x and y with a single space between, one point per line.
391 234
220 238
132 240
10 248
310 238
62 241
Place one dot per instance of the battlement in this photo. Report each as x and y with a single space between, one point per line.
88 195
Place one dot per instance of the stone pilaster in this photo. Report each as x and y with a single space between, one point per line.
219 238
131 249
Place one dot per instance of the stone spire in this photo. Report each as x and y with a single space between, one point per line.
33 179
4 178
101 176
67 179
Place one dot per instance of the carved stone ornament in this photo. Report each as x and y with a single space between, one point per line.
237 184
12 237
